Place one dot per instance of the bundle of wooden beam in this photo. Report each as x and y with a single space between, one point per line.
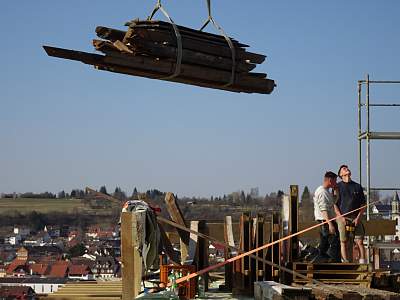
152 49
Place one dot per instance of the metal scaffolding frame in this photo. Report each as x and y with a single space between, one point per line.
369 135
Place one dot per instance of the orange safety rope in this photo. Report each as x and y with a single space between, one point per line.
204 236
249 253
230 260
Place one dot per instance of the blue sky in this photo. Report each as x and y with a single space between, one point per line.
64 125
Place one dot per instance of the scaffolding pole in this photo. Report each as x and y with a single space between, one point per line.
369 135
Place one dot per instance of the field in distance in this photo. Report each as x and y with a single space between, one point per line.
26 205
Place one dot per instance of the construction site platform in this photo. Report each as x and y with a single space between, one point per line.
334 273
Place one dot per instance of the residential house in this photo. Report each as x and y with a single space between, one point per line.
14 239
22 231
54 231
17 268
40 253
22 253
39 285
105 267
17 292
72 234
383 211
59 270
396 214
80 272
3 272
39 269
41 239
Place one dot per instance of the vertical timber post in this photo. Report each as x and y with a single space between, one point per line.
368 165
294 222
131 229
275 249
203 253
177 217
228 237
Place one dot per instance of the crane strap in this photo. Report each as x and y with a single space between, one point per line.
179 52
210 19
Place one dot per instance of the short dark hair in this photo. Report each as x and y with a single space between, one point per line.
330 175
340 168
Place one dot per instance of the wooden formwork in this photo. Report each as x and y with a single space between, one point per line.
334 273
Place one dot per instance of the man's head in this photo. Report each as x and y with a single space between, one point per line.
330 180
344 172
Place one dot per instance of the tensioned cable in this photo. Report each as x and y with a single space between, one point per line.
227 38
178 36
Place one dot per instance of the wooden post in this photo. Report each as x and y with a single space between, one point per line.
247 245
167 246
294 222
203 253
177 217
132 229
261 228
228 237
275 249
193 245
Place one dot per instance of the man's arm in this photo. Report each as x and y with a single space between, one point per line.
322 201
332 229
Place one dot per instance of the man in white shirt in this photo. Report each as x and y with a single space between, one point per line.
329 247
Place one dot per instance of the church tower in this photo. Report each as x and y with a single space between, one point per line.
396 213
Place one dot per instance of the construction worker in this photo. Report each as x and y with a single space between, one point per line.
324 211
350 197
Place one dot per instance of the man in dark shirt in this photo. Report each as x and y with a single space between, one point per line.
350 197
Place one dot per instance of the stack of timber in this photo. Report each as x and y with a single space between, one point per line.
350 292
151 49
334 273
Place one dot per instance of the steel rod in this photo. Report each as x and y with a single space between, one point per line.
359 133
376 135
378 81
384 189
368 165
382 104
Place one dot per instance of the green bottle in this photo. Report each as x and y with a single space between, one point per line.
201 287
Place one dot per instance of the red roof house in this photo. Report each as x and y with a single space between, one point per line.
39 269
16 292
59 270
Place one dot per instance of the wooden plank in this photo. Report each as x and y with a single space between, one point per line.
167 246
294 222
203 253
254 244
259 242
276 249
180 79
380 227
192 43
150 68
132 226
228 238
247 246
228 231
188 56
177 217
159 24
189 71
193 246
